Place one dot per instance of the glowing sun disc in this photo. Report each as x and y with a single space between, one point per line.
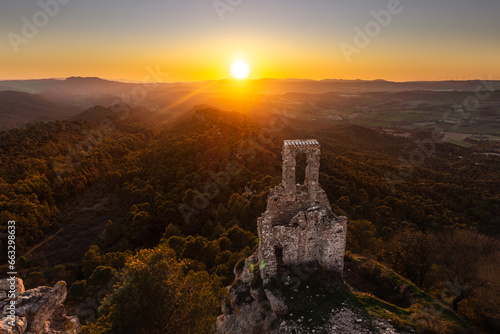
240 69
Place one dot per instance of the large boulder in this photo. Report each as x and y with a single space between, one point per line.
40 311
37 311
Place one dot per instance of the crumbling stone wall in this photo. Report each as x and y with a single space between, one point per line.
298 225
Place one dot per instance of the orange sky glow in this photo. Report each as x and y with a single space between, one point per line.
294 39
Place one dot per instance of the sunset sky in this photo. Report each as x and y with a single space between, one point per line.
191 40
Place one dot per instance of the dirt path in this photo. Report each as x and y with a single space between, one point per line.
41 243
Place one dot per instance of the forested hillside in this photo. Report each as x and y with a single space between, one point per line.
190 195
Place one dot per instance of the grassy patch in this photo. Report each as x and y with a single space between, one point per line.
400 318
424 312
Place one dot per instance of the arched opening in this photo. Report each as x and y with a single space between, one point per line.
300 168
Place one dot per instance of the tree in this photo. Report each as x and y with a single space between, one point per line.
93 259
157 295
240 238
100 278
468 258
412 254
361 236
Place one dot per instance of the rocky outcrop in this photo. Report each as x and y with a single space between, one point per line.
249 307
308 299
35 311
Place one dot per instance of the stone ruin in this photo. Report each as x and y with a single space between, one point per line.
298 226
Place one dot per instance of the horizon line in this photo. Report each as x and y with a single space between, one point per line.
127 81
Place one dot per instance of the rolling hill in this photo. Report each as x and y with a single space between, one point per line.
19 108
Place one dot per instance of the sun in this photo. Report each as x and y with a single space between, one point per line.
240 69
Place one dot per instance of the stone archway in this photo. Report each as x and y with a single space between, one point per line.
311 148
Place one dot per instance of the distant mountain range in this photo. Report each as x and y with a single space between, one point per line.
94 85
19 108
29 101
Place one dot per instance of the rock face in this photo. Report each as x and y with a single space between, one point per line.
249 308
298 226
35 311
